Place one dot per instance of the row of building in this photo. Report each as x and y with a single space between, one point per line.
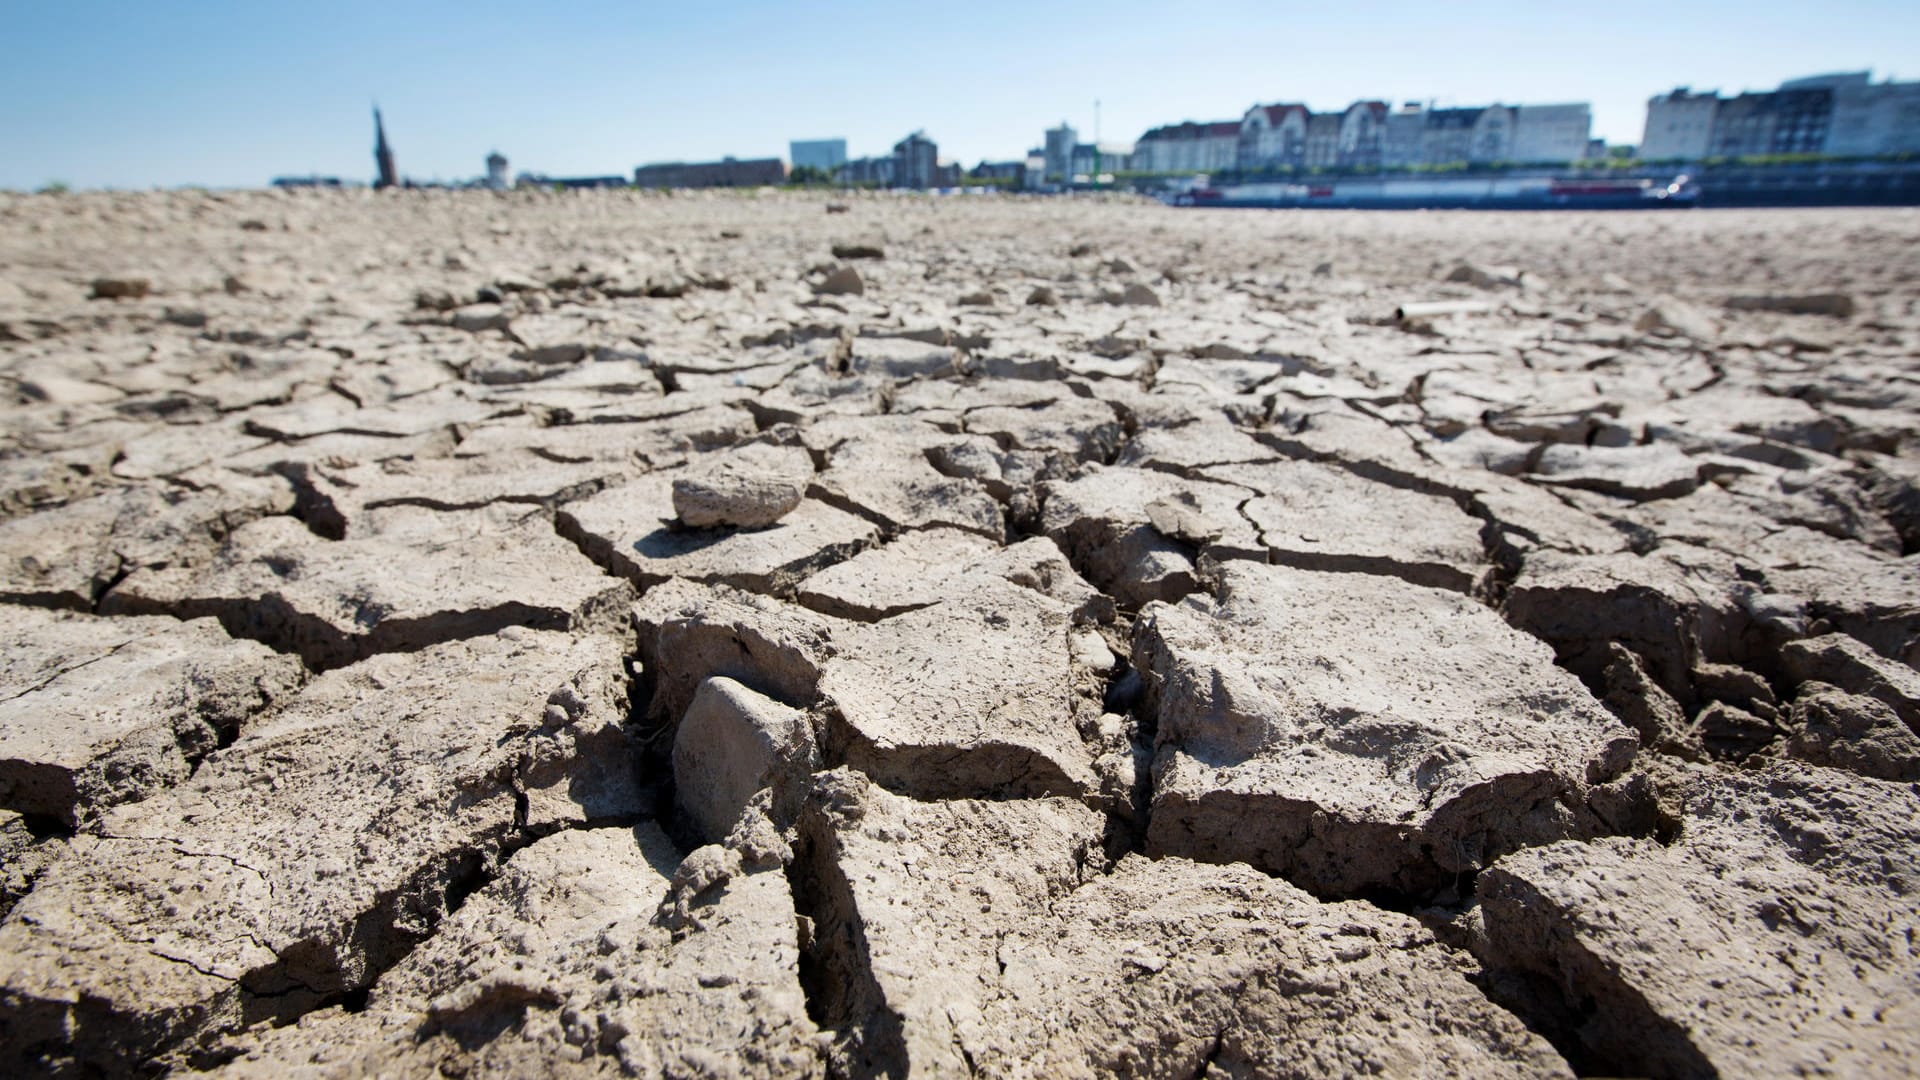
1845 115
914 163
1366 134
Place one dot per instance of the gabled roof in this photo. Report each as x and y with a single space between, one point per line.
1277 113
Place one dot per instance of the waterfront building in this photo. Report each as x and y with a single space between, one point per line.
1272 135
1404 136
916 162
1363 133
1868 118
1550 134
823 154
1036 172
1060 142
1323 140
1369 134
876 171
1679 125
1094 159
727 172
1845 114
1189 147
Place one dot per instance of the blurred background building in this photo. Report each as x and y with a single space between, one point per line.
825 155
1843 115
727 172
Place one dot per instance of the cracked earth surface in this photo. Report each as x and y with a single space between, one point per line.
459 634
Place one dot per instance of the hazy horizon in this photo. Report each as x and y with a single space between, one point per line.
230 95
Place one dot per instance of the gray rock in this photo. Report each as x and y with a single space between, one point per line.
1865 594
841 281
477 318
733 743
635 531
881 471
68 556
751 487
1646 707
900 358
25 854
1074 427
1675 318
1639 473
1100 520
1676 608
1484 277
688 632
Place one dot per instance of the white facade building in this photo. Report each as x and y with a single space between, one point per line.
1550 133
1371 133
1403 140
1844 115
1273 135
1189 147
1875 118
1679 126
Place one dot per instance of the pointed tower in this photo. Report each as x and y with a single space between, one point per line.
382 154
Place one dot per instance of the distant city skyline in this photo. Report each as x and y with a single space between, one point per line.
228 94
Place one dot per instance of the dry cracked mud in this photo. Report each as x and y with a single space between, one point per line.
473 634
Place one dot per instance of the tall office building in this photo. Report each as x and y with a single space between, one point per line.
1060 144
824 154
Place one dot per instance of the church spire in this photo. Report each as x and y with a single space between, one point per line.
382 154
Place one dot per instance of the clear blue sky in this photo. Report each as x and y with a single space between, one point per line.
123 94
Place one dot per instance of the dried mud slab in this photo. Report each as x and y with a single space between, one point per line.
1105 523
926 566
1774 937
315 851
1316 517
968 697
69 556
97 712
1292 736
970 937
635 531
420 577
564 966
